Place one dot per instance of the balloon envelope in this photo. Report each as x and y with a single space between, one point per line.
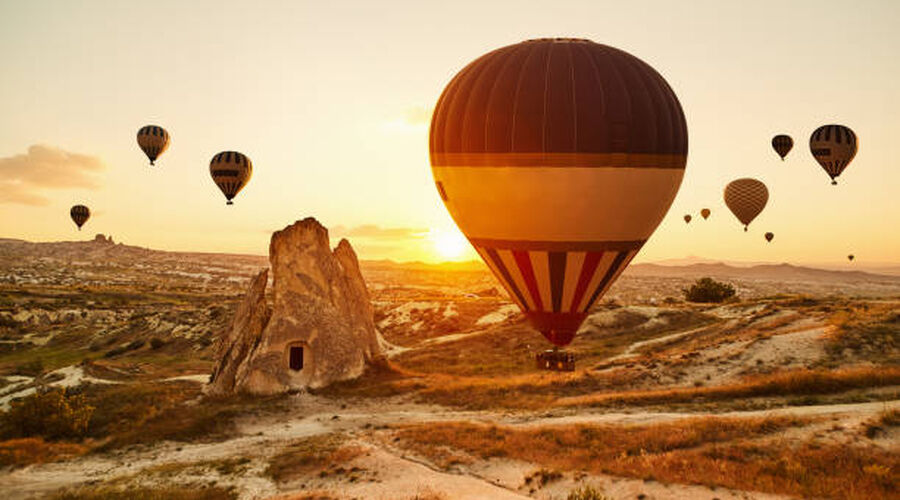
687 219
230 171
557 158
782 145
746 198
834 147
850 257
153 140
770 236
79 214
705 213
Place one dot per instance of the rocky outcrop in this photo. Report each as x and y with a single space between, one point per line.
319 329
100 238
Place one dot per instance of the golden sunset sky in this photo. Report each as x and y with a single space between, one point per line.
332 100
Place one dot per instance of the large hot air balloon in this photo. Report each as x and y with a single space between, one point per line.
557 158
153 140
705 213
230 171
770 236
746 198
834 147
79 214
687 219
782 145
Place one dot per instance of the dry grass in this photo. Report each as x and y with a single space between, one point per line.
792 383
318 455
27 451
742 454
161 493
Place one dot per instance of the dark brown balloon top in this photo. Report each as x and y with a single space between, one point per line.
558 95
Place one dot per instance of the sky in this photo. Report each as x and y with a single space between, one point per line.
332 100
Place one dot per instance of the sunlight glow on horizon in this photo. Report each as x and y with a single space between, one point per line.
332 103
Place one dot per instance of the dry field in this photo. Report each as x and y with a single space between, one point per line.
790 391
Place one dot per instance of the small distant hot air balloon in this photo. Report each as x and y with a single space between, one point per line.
557 158
850 257
153 140
705 213
80 214
782 145
834 147
230 171
746 198
770 236
687 219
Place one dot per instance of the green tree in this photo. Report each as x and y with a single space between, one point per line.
708 290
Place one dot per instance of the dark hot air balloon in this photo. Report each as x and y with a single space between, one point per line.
746 198
834 147
705 213
230 171
770 236
687 219
79 214
153 140
850 257
782 145
557 158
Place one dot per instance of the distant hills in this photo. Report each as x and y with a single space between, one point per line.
102 247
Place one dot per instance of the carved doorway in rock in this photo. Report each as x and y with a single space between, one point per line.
298 356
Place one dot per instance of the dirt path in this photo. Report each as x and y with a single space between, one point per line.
261 437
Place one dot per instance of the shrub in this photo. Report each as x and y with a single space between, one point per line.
708 290
48 413
156 343
586 493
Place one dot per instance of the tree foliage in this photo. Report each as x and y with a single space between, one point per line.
48 413
708 290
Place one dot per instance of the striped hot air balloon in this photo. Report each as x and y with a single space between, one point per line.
834 147
746 198
557 158
782 145
230 171
705 213
80 214
153 140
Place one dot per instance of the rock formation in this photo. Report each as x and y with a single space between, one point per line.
319 328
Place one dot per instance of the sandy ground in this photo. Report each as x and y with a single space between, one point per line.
388 470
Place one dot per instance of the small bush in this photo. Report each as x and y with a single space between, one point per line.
48 413
586 493
708 290
156 343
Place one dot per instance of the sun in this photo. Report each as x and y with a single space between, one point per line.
448 244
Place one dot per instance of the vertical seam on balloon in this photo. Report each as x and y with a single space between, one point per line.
488 104
587 272
504 272
599 80
512 128
574 98
466 116
544 120
524 262
615 70
610 272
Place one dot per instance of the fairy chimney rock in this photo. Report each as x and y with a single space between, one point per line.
319 328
